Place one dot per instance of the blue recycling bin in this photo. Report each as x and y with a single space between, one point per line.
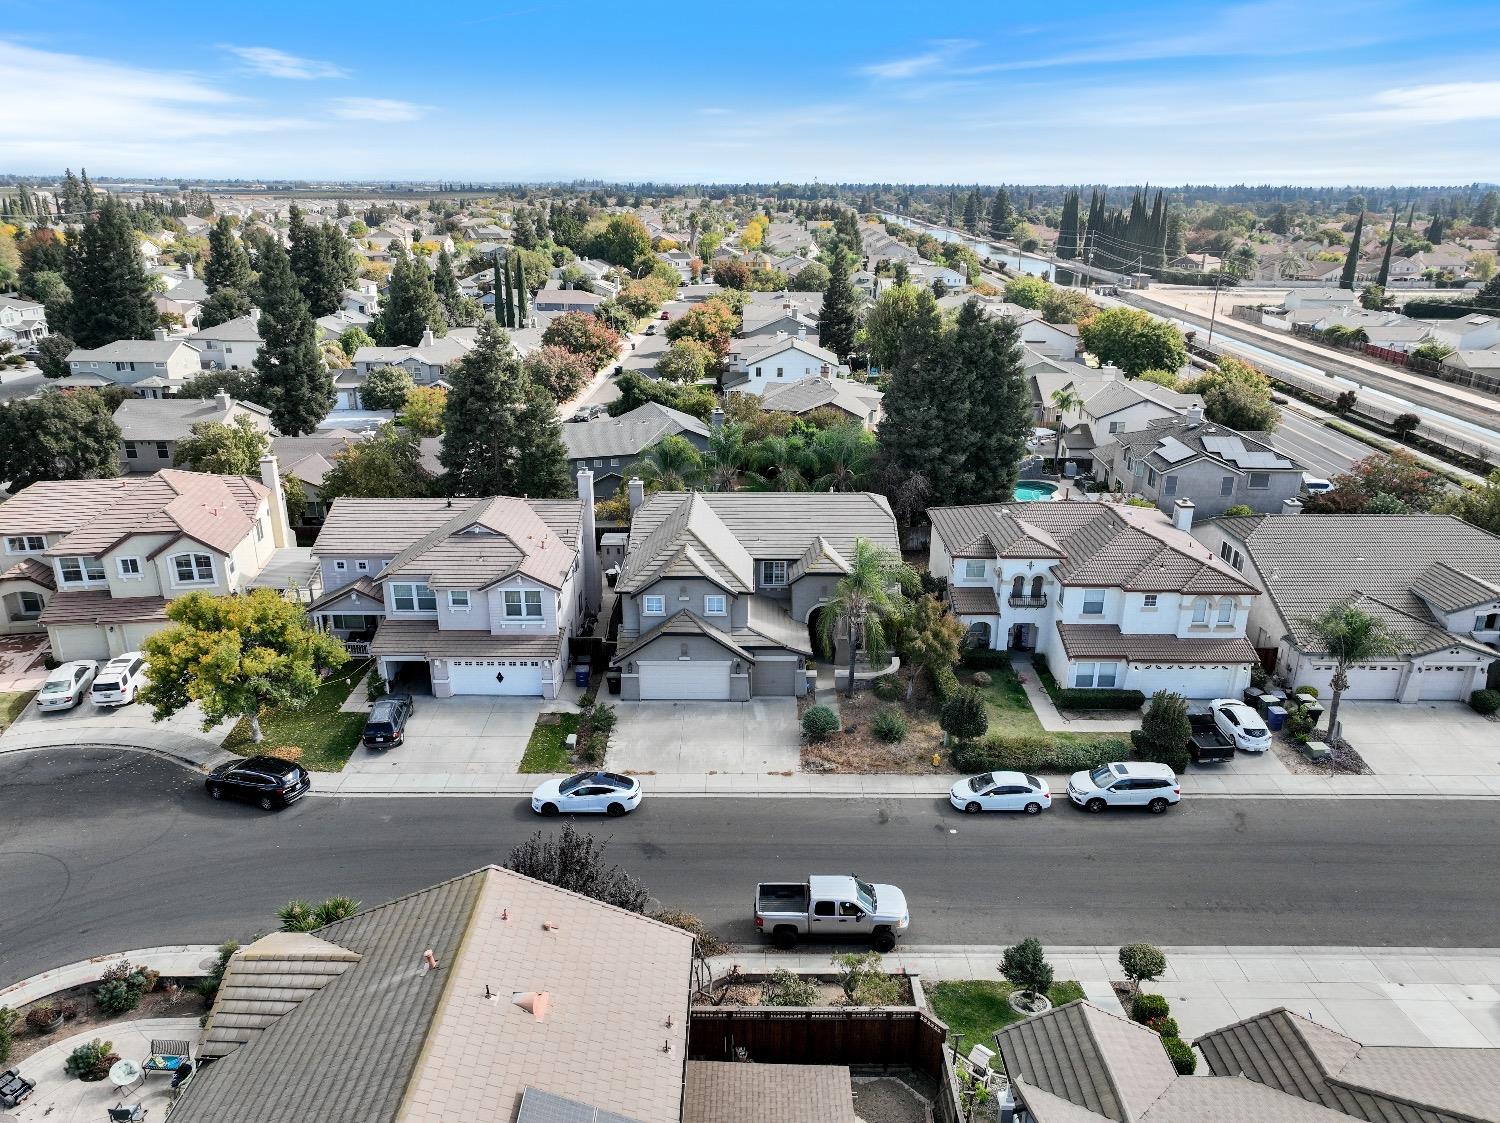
1275 717
581 677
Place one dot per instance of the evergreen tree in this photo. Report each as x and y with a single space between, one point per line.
321 260
838 319
107 277
1067 235
1351 259
298 385
411 305
1002 218
70 197
1390 244
58 436
521 294
228 264
501 433
971 212
986 374
504 302
1176 238
445 283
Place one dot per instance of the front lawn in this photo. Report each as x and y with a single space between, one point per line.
1010 710
977 1008
319 736
11 706
547 750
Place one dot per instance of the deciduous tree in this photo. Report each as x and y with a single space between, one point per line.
386 467
387 388
226 450
1133 340
57 436
584 335
574 860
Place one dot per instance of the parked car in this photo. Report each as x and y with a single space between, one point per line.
267 781
1242 725
588 793
1001 791
1125 784
385 728
839 907
1208 745
120 680
650 329
666 315
67 685
1315 485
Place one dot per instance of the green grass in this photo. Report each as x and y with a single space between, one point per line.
977 1008
11 706
547 750
326 736
1010 710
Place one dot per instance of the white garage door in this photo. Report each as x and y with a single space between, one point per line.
707 680
1445 684
1375 683
496 676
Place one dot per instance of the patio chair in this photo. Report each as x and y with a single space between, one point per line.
167 1055
123 1113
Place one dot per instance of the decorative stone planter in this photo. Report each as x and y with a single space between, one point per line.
1028 1003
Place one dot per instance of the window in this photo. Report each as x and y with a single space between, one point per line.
162 452
1116 426
973 570
715 604
614 461
1018 587
260 531
1226 610
1200 611
129 567
778 372
1083 675
363 566
413 598
823 908
340 566
1169 485
1231 555
1226 485
193 569
1149 601
75 571
353 623
1106 677
1093 602
131 452
1036 588
650 606
757 372
1259 481
1151 476
773 573
30 603
1486 623
458 600
526 604
25 544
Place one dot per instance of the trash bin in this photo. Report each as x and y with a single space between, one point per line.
581 676
1275 717
1314 712
612 682
1253 695
1271 698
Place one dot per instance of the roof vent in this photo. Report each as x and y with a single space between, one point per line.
534 1002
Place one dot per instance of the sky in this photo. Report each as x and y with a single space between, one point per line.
1188 91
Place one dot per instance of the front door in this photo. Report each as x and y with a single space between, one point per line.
1022 637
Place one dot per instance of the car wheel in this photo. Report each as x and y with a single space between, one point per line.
267 803
1033 809
1095 806
884 940
1157 806
615 810
784 938
549 809
972 807
215 791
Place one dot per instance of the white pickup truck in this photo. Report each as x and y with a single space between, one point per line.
837 906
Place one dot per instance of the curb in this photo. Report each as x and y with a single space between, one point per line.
181 759
91 970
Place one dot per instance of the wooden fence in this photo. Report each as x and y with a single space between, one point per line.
885 1037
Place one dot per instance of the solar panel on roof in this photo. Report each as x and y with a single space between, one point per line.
545 1107
1172 450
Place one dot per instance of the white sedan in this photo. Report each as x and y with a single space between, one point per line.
67 685
1242 725
588 793
1001 791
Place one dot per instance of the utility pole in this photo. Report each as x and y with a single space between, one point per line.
1214 315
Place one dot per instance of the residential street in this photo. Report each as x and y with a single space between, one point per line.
106 850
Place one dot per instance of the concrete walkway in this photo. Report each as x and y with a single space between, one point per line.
60 1098
1049 715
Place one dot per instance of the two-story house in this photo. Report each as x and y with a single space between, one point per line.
231 345
153 368
151 427
721 592
105 556
1113 596
1189 458
22 322
1114 406
780 360
427 362
608 446
1433 580
463 596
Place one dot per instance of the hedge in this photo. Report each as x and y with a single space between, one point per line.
1145 1007
944 683
1078 698
1485 702
1036 752
984 659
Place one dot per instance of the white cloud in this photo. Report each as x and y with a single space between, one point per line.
278 64
375 109
912 66
1442 103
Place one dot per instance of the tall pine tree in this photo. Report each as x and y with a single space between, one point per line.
411 305
228 265
112 297
445 283
522 310
298 385
838 319
1002 217
504 304
986 374
1351 259
1067 232
1390 244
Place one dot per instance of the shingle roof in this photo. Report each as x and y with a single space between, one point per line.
423 638
791 343
807 394
1106 641
129 351
630 434
241 329
725 1092
1241 451
172 419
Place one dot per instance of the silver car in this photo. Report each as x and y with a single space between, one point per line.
67 685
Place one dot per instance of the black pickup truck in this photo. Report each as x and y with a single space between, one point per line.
1208 745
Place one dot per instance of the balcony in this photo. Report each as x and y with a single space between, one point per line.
1038 601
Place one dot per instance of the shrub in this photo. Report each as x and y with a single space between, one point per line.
787 989
123 987
1082 698
1025 965
1485 702
1184 1060
208 986
1165 732
819 723
964 715
40 1017
887 688
7 1020
1165 1027
861 970
944 683
1142 963
1035 752
982 678
984 657
1312 690
889 725
595 724
1145 1007
375 687
709 943
1300 726
1238 509
91 1061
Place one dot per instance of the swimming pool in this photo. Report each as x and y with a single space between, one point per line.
1035 491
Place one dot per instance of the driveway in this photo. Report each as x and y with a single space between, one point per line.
468 735
181 735
1427 738
759 736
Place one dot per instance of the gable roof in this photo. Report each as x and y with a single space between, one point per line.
790 343
488 540
169 419
689 532
1170 442
807 394
1116 394
630 434
241 329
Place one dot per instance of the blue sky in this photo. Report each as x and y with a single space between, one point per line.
1282 91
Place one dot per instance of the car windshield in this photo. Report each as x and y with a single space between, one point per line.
106 684
866 894
1101 776
573 782
980 782
56 685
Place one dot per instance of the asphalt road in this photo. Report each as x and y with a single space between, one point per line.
104 851
1320 450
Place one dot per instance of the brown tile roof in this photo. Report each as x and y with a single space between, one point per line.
29 569
969 601
729 1092
58 506
98 607
424 638
1106 641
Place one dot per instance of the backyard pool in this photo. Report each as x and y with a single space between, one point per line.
1035 491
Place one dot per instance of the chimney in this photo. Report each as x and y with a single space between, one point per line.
254 314
801 333
588 542
637 491
270 475
1182 515
1291 506
159 334
1195 415
716 419
188 269
223 400
427 337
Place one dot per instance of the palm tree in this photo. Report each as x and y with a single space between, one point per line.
1063 401
865 599
843 456
1350 635
669 465
725 459
779 464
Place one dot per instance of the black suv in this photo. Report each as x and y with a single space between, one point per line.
266 780
386 725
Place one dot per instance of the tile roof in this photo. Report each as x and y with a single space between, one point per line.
728 1092
819 557
97 606
971 601
29 569
767 620
1106 641
807 394
310 458
1451 590
488 540
1163 441
1212 1099
60 506
685 623
423 638
362 586
379 526
217 511
630 434
690 536
1308 563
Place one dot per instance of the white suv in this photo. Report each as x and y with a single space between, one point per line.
1125 784
119 680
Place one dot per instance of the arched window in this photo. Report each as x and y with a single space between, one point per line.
1018 587
1226 610
1036 588
1200 610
